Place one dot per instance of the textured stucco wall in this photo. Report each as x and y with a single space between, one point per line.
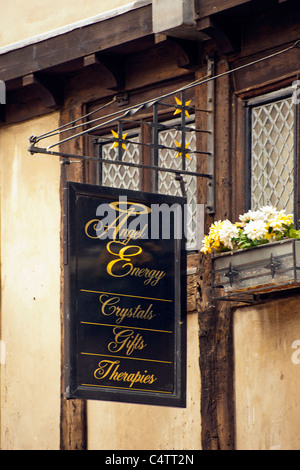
30 297
267 375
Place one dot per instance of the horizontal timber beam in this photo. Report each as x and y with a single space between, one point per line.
76 44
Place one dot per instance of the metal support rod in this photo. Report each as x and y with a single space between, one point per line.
157 146
34 150
183 131
160 126
120 146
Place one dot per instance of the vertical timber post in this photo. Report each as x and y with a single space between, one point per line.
210 195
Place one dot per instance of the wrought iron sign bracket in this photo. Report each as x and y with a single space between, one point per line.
119 121
181 107
120 140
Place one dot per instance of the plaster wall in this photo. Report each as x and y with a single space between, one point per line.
30 291
267 376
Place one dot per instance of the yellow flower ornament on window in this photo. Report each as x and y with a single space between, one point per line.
183 106
116 144
179 154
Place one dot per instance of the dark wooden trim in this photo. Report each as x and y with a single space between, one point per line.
216 319
73 419
99 77
76 44
49 90
267 74
226 36
110 69
207 7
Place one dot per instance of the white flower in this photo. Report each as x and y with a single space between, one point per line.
227 232
251 216
269 212
255 229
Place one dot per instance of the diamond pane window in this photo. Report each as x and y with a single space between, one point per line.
167 184
121 176
273 154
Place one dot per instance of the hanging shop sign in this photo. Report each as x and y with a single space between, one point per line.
125 299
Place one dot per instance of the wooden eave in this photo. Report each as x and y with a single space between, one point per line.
211 7
221 20
41 76
35 74
71 46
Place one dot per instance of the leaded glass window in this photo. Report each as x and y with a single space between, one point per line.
167 184
121 176
273 152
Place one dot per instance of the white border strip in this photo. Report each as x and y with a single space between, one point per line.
79 24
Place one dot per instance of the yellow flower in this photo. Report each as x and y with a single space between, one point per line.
286 219
206 248
214 231
277 222
270 235
212 240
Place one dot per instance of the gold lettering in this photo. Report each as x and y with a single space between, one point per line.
104 368
132 233
134 378
96 227
123 260
122 265
109 306
126 339
152 276
122 220
110 301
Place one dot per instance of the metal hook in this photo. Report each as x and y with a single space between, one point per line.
182 184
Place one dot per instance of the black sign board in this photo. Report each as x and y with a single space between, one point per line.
125 296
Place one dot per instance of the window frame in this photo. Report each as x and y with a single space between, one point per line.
260 100
109 140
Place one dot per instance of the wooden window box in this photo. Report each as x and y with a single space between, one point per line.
263 269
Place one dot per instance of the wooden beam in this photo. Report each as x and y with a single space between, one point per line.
73 417
135 24
111 69
211 7
49 90
184 52
216 318
224 36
